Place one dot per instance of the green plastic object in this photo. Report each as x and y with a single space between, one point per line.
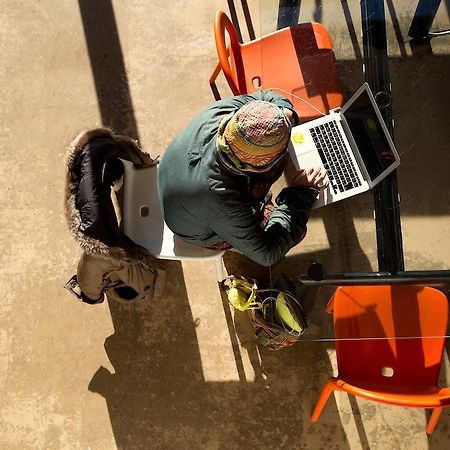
286 315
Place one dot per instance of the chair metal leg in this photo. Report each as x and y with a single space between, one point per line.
330 306
431 425
219 269
327 389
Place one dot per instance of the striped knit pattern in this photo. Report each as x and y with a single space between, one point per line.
258 133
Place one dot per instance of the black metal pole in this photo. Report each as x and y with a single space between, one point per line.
423 18
288 13
386 199
418 278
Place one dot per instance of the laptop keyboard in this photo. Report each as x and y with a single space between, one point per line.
335 158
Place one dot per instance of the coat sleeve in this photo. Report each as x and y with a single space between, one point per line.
239 226
91 275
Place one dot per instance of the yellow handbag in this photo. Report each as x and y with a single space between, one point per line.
241 293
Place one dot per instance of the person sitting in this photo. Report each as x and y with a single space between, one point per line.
215 176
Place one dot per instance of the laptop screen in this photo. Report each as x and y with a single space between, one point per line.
369 135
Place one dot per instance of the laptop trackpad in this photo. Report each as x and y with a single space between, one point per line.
308 160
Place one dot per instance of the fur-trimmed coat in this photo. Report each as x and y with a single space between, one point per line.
111 259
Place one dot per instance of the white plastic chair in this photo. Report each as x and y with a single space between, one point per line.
143 221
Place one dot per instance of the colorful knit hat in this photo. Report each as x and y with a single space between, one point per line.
257 134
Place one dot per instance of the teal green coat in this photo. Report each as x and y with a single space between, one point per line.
205 203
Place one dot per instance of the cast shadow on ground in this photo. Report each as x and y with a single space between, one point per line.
157 396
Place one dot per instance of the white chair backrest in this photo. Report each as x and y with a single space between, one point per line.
143 219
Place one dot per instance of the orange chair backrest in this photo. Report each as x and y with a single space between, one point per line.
404 327
230 58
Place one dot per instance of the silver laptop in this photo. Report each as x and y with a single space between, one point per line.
352 143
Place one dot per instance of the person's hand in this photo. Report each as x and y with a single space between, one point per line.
315 177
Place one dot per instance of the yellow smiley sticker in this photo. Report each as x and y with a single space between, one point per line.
372 125
298 138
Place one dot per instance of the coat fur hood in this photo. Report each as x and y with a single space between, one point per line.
122 247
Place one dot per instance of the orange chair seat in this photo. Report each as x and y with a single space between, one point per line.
298 60
389 346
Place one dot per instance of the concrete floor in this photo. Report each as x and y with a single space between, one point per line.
185 372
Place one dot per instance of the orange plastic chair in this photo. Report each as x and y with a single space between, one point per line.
298 60
400 359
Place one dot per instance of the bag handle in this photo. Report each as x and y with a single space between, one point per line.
241 293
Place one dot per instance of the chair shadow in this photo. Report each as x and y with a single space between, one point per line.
311 60
311 357
158 398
